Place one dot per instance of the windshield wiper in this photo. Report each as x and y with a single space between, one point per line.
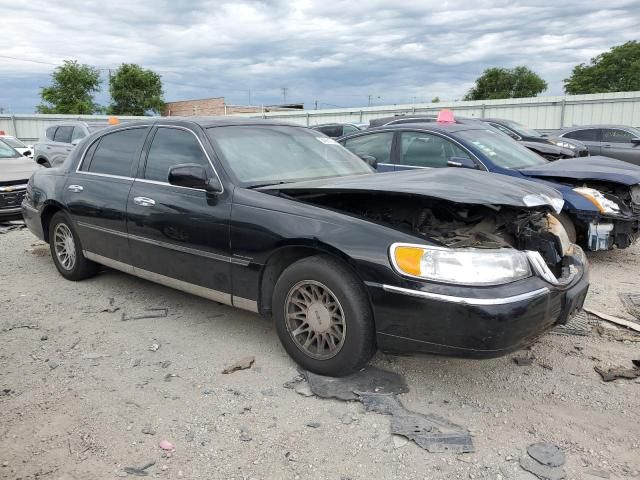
271 184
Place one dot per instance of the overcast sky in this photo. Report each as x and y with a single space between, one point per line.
335 52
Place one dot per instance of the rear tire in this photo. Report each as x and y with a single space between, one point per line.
323 316
66 250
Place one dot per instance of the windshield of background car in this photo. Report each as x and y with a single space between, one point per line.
523 131
7 152
500 149
258 155
13 142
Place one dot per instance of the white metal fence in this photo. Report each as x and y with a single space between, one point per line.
29 127
544 113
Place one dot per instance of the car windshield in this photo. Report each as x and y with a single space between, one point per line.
264 155
524 131
6 151
13 142
501 150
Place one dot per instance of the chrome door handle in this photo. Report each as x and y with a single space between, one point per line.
75 188
144 201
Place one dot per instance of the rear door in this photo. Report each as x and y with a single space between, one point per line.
180 234
616 143
96 193
376 145
591 137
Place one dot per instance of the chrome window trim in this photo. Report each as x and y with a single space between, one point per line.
179 127
466 300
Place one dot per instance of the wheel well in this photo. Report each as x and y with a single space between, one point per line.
279 261
48 212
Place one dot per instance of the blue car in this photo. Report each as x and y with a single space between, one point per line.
601 195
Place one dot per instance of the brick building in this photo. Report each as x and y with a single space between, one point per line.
217 106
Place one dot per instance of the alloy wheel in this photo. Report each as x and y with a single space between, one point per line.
64 246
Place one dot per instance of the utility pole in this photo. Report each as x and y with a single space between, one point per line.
316 105
284 94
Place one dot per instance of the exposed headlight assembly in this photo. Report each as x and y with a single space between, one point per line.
603 204
471 266
562 144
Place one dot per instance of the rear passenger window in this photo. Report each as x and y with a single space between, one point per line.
170 147
117 152
78 134
63 134
51 131
589 135
331 130
377 145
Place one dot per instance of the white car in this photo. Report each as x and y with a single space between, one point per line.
17 144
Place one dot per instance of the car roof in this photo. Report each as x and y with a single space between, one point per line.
206 122
603 125
433 126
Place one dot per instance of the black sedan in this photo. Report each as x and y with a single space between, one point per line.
281 220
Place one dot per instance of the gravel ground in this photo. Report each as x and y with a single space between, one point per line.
82 396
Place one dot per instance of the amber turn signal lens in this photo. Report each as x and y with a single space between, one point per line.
408 259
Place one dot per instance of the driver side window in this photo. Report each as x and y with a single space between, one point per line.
171 147
421 149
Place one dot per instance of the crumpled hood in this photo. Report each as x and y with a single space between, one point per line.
548 148
452 184
12 169
588 168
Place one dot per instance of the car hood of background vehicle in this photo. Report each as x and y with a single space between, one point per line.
12 169
548 148
588 168
452 184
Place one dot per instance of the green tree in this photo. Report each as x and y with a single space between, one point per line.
435 100
617 70
496 82
72 90
135 91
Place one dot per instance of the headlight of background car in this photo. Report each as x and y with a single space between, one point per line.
603 204
471 266
562 144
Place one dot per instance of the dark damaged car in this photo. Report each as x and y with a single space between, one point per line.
601 195
281 220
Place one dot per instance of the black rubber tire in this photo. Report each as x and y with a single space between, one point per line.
568 225
359 343
83 267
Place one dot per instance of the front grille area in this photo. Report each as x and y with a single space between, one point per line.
10 200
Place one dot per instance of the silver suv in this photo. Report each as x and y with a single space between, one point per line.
615 141
60 139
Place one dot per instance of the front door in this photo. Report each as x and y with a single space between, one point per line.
179 236
96 194
616 143
376 145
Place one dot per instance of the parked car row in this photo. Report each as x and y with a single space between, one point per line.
465 243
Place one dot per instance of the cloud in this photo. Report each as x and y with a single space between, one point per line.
337 52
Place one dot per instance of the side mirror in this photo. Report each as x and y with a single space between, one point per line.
26 153
461 162
371 160
192 175
635 141
75 142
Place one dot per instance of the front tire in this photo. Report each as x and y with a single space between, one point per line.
323 316
66 250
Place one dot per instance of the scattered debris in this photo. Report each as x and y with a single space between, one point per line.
241 364
153 347
293 382
631 302
44 337
543 472
6 227
245 437
304 389
208 392
30 326
53 365
369 379
169 376
314 424
619 372
75 343
148 430
612 319
139 471
95 356
547 454
5 392
136 362
111 308
523 360
153 313
167 446
616 334
165 364
578 325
